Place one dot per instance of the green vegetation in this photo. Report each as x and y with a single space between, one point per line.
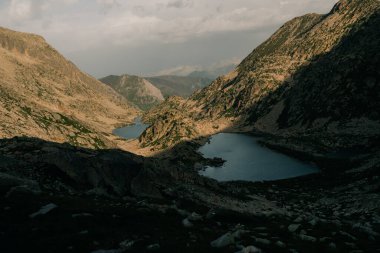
73 123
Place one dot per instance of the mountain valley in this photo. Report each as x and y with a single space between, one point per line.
279 87
310 92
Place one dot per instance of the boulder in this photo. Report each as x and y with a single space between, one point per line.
293 227
223 241
44 210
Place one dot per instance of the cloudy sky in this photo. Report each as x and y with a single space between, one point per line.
147 37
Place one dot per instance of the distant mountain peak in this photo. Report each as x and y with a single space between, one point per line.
341 5
344 5
136 89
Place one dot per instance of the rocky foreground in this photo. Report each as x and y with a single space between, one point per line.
60 198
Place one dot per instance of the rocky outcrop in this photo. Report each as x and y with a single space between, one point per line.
136 89
168 118
44 95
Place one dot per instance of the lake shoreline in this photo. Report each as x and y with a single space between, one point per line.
131 131
302 149
247 160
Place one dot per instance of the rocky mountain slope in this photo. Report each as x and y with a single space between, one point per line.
318 76
43 95
136 89
183 86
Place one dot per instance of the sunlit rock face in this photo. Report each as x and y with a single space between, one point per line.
44 95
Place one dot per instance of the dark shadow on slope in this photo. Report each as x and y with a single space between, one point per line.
63 168
340 85
99 199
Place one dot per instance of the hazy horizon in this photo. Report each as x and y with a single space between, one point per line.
146 38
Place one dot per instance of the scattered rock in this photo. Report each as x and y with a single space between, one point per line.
293 227
79 215
239 232
280 244
350 244
262 241
324 239
223 241
186 223
307 238
347 235
21 189
44 210
211 214
313 222
332 246
195 217
365 228
108 251
153 247
250 249
127 244
182 212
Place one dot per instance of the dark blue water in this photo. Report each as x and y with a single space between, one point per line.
132 131
249 161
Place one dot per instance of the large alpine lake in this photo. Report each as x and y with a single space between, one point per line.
247 160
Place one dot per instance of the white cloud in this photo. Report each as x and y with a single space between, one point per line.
162 21
108 4
74 26
70 1
184 70
21 10
180 4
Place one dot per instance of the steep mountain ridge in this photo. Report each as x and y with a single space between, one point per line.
277 87
43 95
136 89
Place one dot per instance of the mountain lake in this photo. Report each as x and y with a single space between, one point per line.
132 131
247 160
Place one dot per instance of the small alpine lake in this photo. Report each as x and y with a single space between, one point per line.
132 131
247 160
